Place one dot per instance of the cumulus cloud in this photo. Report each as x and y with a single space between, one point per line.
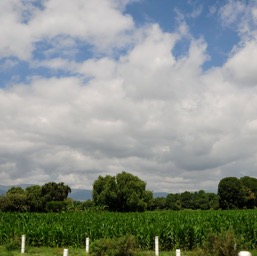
241 67
98 23
143 110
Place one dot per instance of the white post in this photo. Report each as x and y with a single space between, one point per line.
156 246
178 252
244 253
65 252
23 240
87 245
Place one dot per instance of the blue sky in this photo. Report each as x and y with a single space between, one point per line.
163 89
202 19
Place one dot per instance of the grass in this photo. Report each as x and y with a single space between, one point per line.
40 251
46 251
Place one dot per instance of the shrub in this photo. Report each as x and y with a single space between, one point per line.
123 246
13 244
223 244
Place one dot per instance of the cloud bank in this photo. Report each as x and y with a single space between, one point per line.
101 95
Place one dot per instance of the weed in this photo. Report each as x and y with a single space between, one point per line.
123 246
223 244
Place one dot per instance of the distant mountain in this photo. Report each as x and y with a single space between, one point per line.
160 194
5 188
76 194
2 191
81 194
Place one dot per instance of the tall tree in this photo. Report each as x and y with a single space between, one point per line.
34 199
54 195
123 192
231 193
55 191
14 200
105 192
187 200
250 185
173 201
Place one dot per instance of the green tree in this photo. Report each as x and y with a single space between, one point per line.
54 192
16 190
56 206
213 201
123 192
34 199
187 200
173 201
250 185
201 200
14 200
105 192
231 193
159 203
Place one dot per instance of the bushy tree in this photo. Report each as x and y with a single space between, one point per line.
55 191
49 197
123 192
159 203
53 196
34 198
105 192
14 200
231 193
173 201
250 185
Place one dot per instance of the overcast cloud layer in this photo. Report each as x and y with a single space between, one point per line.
87 90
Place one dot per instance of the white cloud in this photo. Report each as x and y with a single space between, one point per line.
99 23
242 64
143 111
240 16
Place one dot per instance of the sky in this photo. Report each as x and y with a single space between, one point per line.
163 89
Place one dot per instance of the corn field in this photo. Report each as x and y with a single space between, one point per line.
183 229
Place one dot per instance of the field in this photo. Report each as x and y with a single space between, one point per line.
187 230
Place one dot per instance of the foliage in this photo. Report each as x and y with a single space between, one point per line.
13 243
250 185
56 206
160 203
124 193
231 193
186 230
105 192
49 197
192 200
223 244
13 202
123 246
34 199
55 191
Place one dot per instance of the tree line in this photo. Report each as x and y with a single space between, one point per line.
127 193
51 197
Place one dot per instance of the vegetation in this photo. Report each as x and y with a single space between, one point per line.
123 193
51 197
187 230
122 246
237 193
46 251
117 223
223 244
127 193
